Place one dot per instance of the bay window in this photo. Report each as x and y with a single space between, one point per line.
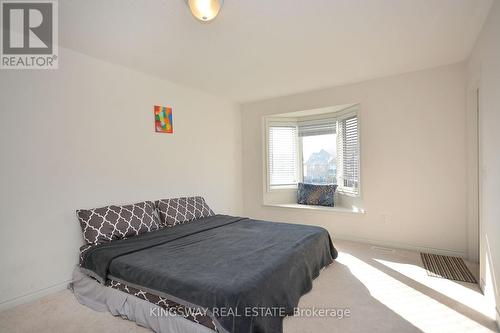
318 149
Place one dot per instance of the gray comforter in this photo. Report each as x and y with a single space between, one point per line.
247 274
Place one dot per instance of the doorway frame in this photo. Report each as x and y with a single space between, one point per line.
474 226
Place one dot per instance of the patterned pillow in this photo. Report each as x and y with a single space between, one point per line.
101 225
312 194
181 210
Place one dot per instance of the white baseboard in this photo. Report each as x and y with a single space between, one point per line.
10 303
445 252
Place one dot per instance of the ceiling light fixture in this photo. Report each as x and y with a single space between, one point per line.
205 10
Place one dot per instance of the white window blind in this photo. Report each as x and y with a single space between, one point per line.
348 155
282 155
317 127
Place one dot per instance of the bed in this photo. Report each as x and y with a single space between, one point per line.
223 273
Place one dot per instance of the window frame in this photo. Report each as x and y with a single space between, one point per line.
294 121
301 156
288 122
350 113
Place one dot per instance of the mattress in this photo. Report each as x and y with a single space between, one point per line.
172 307
157 313
221 266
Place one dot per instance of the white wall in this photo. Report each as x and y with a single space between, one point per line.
83 136
484 68
413 156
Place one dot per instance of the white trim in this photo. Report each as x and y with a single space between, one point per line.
403 246
311 113
300 159
34 295
473 171
337 209
287 187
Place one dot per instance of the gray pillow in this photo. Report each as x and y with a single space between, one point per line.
313 194
181 210
101 225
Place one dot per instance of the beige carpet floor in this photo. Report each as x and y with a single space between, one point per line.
385 291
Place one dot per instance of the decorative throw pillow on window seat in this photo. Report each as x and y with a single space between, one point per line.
318 195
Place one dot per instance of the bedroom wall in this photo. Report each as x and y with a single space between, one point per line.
413 154
83 136
484 73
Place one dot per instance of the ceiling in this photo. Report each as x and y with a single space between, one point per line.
259 49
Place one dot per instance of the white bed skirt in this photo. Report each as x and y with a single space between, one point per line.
100 298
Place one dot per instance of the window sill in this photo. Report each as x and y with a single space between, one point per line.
353 210
293 188
274 188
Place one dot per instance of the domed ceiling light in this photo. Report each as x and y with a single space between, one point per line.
205 10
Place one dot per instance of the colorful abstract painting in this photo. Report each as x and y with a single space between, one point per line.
163 119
